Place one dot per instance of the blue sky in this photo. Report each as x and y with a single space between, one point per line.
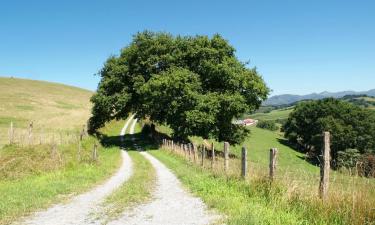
298 46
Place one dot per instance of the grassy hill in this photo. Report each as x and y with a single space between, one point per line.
361 101
52 107
61 165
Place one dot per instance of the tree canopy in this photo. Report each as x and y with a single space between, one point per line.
194 84
351 127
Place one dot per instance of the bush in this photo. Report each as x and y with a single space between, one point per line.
267 124
281 121
366 165
348 159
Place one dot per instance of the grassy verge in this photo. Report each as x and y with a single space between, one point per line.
136 190
256 201
35 177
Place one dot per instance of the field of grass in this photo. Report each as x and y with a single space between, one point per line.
258 144
35 177
279 114
53 108
368 99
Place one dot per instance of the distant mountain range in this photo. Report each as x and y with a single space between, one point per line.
288 98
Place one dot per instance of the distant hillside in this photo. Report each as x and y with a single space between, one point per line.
50 106
288 98
364 101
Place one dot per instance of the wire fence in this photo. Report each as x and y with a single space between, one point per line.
294 177
50 148
37 135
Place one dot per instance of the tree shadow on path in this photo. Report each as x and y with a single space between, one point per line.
131 142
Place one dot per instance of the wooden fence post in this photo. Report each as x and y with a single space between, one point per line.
11 133
192 152
212 155
95 152
79 150
54 153
82 134
273 154
226 156
195 153
244 162
203 154
83 130
30 132
61 139
325 167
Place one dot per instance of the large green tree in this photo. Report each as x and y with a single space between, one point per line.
351 127
194 84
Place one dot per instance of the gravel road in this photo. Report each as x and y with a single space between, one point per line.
78 209
171 204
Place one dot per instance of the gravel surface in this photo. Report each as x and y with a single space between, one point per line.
78 209
172 204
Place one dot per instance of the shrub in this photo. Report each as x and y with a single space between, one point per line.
366 165
267 124
348 159
281 121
